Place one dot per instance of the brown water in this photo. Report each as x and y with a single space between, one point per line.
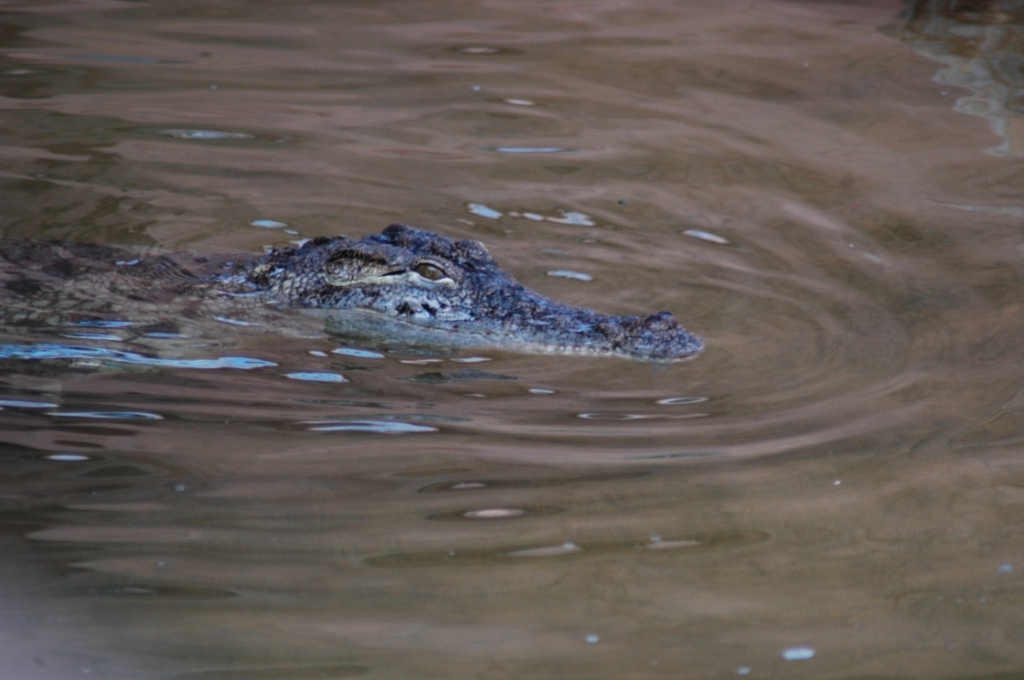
839 471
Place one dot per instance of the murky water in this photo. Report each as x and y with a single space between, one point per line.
829 194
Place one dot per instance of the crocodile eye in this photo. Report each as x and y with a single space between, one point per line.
429 271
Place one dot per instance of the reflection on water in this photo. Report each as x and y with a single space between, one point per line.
832 489
981 42
46 351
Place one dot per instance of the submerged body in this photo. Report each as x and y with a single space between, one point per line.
403 286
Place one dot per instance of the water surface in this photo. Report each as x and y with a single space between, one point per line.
832 489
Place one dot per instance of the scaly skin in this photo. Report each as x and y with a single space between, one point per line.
449 292
403 286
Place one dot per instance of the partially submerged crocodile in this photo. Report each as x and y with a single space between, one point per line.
403 286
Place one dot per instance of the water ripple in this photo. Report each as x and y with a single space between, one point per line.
53 351
317 376
530 149
18 403
107 415
354 352
374 426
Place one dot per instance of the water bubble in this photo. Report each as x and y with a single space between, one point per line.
462 486
318 353
520 102
540 390
1005 568
743 670
479 50
268 224
592 639
533 216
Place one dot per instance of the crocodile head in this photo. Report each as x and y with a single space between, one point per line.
408 286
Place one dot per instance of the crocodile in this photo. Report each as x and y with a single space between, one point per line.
403 286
